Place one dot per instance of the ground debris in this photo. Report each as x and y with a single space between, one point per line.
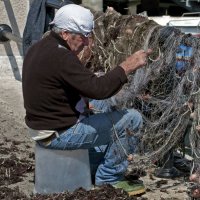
161 182
13 169
106 192
11 194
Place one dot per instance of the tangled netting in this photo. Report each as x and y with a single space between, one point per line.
165 91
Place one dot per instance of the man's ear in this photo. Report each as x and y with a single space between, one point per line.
65 35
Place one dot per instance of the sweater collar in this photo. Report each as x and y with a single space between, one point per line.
59 39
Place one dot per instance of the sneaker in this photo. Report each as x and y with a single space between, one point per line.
132 188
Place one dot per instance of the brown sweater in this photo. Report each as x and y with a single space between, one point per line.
53 79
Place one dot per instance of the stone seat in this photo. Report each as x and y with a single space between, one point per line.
61 170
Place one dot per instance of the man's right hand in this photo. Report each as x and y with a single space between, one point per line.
135 61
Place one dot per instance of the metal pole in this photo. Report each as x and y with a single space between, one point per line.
11 36
6 34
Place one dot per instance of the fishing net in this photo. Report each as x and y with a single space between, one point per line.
165 91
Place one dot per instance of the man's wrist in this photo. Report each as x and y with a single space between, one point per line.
125 68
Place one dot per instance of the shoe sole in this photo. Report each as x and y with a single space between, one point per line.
133 193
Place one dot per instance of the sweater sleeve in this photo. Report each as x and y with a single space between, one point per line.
87 83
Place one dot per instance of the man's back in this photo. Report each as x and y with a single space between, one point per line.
47 99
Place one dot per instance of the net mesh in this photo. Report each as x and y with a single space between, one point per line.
165 91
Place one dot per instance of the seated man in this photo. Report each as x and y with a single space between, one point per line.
54 82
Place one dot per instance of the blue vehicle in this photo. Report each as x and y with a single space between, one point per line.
183 57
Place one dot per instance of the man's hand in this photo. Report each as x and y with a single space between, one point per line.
135 61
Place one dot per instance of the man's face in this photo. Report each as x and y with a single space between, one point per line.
77 42
86 53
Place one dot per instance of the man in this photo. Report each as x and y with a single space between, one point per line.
54 82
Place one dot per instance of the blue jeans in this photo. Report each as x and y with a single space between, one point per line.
105 135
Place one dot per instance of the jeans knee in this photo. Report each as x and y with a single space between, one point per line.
135 118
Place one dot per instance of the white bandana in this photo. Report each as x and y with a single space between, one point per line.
75 19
